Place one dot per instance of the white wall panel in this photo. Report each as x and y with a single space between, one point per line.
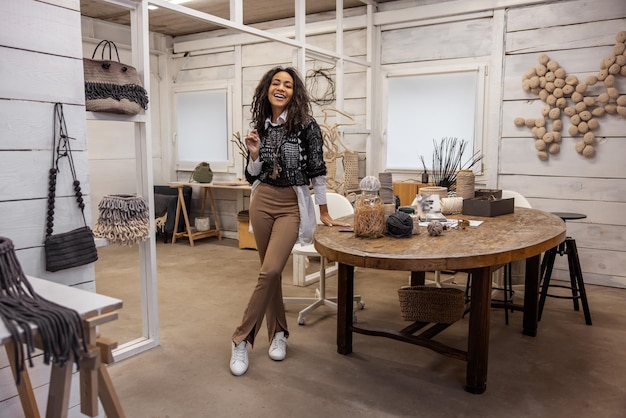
569 188
29 125
16 183
41 64
564 13
582 35
26 23
436 42
41 77
518 156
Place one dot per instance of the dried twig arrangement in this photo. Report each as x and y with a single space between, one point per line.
243 150
447 161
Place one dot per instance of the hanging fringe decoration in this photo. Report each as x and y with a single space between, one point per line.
22 310
123 220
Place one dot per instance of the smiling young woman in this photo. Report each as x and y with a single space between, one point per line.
285 158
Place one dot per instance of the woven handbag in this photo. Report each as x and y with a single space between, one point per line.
202 173
123 220
76 247
111 86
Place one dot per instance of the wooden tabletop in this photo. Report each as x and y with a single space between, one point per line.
498 240
233 185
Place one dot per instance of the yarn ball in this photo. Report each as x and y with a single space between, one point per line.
370 184
400 225
434 228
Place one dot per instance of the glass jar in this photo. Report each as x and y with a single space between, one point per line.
369 215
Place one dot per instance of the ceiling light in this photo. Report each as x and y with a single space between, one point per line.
151 7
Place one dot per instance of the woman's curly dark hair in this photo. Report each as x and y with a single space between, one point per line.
299 110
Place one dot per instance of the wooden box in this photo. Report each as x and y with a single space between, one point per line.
246 239
497 193
483 206
406 191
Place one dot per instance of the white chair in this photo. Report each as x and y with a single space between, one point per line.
520 200
338 206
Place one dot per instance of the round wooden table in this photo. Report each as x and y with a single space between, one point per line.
524 234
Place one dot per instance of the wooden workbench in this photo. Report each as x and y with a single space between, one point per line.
181 208
95 381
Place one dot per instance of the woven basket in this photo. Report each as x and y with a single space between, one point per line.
351 170
431 304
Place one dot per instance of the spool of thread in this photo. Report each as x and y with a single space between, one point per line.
465 184
427 191
451 205
390 209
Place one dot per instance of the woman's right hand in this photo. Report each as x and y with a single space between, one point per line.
253 143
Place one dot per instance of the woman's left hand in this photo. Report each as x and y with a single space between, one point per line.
329 221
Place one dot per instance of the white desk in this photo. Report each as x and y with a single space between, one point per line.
181 207
95 382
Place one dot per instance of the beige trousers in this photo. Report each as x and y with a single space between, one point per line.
275 220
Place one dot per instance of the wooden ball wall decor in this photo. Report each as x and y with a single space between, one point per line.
567 95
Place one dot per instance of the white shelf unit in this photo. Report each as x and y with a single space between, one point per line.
140 46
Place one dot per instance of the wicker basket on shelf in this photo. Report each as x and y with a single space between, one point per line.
443 305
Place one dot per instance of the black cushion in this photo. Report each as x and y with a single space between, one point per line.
165 201
161 203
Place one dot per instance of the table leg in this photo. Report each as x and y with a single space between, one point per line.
88 373
108 396
418 278
345 295
25 388
59 390
214 213
478 338
105 389
182 207
531 296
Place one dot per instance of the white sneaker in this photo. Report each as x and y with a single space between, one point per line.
278 348
239 358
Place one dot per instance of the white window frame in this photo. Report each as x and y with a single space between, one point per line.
216 166
480 114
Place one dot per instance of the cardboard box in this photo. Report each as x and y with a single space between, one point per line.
246 239
483 206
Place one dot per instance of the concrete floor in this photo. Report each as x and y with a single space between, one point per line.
569 369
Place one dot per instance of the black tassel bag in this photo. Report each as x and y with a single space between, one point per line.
76 247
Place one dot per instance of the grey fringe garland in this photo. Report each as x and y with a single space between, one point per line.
123 220
59 328
132 92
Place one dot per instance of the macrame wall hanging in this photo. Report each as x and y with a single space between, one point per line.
566 94
333 154
321 87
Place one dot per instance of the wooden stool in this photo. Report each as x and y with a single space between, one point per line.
577 284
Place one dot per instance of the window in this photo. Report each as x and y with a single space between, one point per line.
202 127
431 106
